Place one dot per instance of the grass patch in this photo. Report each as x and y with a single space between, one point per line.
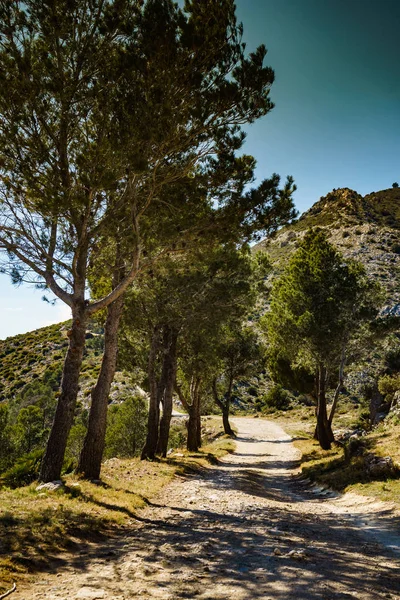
337 471
36 527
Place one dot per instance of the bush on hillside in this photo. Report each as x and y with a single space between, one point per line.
277 398
7 449
126 428
24 471
392 358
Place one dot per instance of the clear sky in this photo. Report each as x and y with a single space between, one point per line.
336 122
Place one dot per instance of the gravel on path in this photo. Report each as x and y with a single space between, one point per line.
246 529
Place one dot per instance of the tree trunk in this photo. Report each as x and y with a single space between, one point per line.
170 374
324 431
150 447
374 404
64 416
93 446
225 419
191 443
316 392
224 405
194 423
339 387
198 428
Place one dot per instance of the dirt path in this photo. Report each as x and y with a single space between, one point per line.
246 529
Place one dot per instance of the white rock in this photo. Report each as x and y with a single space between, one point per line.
299 554
88 593
51 486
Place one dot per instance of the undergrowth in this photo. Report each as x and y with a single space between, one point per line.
36 526
339 468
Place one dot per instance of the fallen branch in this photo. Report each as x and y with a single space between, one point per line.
14 587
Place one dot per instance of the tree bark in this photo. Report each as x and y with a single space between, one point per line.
224 405
54 456
324 430
170 374
198 427
374 404
194 423
93 446
225 419
339 387
150 447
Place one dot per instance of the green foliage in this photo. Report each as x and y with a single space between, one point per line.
292 375
24 471
395 185
276 398
177 435
392 356
389 384
75 443
160 129
7 447
239 355
29 428
40 394
126 428
317 304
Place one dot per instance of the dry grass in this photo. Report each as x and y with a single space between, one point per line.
38 526
332 468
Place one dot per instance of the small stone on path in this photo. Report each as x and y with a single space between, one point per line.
87 593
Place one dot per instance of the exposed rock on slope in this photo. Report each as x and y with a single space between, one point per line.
364 228
38 356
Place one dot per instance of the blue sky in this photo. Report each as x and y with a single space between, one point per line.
336 121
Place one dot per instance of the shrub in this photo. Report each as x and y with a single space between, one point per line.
29 428
395 248
177 435
392 358
277 398
6 442
126 428
75 443
24 471
388 386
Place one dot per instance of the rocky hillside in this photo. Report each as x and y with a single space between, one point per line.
39 355
364 228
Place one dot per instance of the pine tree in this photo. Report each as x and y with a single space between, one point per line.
317 305
102 104
239 353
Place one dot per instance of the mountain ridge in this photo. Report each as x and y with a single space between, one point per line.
365 228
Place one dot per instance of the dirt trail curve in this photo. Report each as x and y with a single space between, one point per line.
246 529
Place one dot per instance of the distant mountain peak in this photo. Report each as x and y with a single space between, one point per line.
337 204
365 228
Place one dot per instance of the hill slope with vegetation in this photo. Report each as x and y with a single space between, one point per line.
37 357
367 420
363 228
